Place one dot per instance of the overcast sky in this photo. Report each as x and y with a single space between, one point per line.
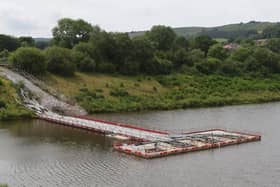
38 17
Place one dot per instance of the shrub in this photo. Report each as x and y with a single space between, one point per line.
2 104
181 57
159 66
106 67
196 56
4 54
28 59
217 51
87 65
130 68
209 66
60 61
119 93
230 68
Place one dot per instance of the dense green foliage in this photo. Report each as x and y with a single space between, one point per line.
26 41
272 31
70 32
31 60
77 45
9 43
60 61
185 72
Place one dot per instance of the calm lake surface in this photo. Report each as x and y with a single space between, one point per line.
37 153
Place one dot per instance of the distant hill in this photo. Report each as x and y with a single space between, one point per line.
225 31
42 39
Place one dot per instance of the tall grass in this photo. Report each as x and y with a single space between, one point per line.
10 108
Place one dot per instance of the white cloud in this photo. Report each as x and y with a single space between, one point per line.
38 17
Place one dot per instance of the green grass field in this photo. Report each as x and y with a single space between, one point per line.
106 93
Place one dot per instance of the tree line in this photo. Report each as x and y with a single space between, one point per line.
79 46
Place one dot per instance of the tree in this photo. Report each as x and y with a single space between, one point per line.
4 54
70 32
123 49
42 44
274 45
85 48
159 66
181 42
181 57
217 51
143 53
241 54
162 37
196 56
106 67
104 47
8 42
272 31
87 65
204 43
130 67
28 59
26 41
208 66
60 61
268 59
230 67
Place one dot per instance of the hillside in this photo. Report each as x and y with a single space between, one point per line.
117 93
225 31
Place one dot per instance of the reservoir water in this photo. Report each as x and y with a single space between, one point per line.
37 153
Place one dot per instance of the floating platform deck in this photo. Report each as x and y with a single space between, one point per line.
153 143
188 142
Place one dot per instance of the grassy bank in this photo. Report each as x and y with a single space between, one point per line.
107 93
9 107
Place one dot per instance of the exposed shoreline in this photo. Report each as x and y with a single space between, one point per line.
172 92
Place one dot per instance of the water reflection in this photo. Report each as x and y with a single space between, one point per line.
37 153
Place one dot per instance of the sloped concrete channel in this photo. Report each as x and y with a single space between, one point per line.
146 143
45 99
43 107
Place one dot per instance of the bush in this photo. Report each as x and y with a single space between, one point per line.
84 92
217 51
4 54
196 56
241 54
230 68
159 66
28 59
209 66
130 68
2 104
181 57
119 93
60 61
105 67
85 48
87 65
